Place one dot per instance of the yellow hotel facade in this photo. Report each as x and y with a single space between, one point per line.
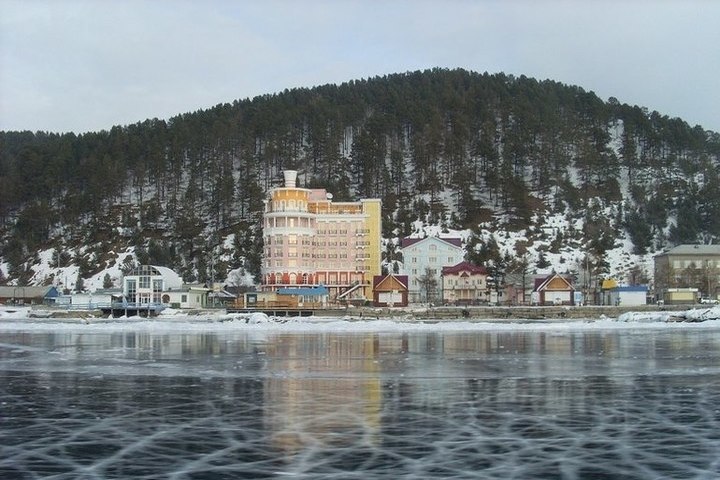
311 241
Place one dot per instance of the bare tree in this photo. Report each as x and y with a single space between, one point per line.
428 282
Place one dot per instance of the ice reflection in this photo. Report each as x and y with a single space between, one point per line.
254 404
324 392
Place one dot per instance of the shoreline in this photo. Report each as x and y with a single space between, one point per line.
420 314
529 313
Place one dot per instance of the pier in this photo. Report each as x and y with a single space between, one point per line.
282 312
132 309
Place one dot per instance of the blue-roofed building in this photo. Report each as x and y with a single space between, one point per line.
14 295
626 296
315 294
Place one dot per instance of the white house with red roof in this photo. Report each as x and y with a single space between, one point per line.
423 261
465 284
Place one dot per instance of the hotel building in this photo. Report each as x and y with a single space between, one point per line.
312 241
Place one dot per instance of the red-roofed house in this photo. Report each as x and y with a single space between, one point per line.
464 284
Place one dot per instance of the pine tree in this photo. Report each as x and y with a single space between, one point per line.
542 261
79 284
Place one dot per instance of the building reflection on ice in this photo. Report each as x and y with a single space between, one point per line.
324 391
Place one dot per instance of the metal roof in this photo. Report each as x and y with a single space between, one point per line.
172 279
689 249
406 242
630 288
464 267
306 291
11 291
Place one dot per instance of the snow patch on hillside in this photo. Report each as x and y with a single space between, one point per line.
571 258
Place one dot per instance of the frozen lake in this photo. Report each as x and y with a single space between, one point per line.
344 400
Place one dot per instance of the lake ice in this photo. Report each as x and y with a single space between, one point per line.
190 399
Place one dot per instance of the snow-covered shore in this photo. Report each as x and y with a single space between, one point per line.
25 318
693 315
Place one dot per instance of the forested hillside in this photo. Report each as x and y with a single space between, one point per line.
449 147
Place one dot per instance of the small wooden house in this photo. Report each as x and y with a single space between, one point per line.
311 297
390 290
679 296
186 296
553 290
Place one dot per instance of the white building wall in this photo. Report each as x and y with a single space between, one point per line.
628 298
430 253
190 298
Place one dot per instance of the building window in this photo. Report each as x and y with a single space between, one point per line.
131 290
157 287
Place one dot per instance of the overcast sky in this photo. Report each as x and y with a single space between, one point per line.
86 65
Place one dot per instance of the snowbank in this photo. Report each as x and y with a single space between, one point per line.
693 315
173 320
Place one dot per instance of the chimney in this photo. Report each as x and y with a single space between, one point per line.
290 177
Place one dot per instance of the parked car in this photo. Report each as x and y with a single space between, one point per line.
706 300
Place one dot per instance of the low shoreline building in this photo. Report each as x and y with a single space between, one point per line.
154 285
26 295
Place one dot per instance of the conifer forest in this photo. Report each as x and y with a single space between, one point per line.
452 148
